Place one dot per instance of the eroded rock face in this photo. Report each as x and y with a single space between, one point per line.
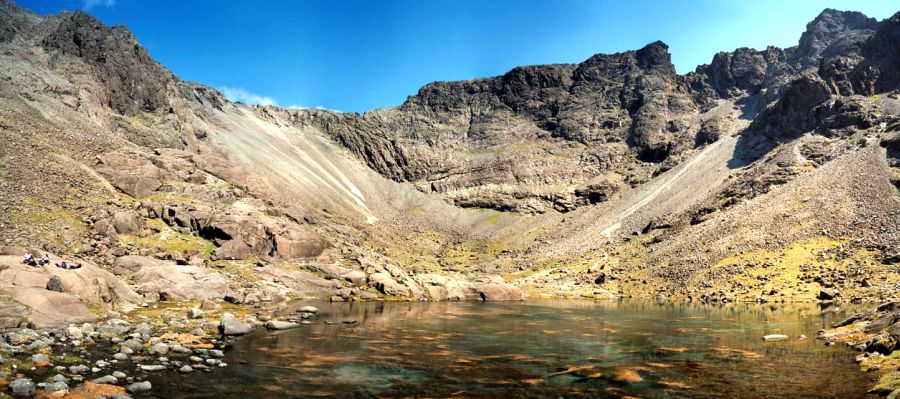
130 173
608 111
440 288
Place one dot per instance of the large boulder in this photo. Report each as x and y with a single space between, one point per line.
441 288
303 284
22 388
387 285
299 242
229 325
11 314
239 236
126 223
493 290
172 281
55 284
357 277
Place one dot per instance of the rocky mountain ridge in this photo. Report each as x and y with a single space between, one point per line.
614 119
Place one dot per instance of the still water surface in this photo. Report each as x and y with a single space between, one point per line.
536 350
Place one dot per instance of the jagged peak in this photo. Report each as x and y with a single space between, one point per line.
832 26
655 56
9 5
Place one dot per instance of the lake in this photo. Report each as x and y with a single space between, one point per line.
537 349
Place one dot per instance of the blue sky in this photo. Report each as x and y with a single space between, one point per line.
356 56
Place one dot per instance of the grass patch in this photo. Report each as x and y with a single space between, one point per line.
67 360
164 198
171 242
244 270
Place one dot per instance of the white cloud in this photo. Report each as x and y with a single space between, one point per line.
240 95
88 4
316 107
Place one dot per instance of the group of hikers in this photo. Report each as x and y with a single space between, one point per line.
45 260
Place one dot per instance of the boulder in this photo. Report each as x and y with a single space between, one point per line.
159 349
495 289
441 288
106 379
55 284
175 282
40 360
357 277
308 309
387 285
828 294
303 283
22 388
281 325
299 242
56 389
229 325
139 387
126 223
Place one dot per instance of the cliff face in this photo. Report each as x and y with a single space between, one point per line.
534 138
133 82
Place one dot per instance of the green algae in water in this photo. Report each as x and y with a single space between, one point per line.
536 350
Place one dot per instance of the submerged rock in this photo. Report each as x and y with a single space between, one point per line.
281 325
229 325
22 388
309 309
139 387
774 337
106 379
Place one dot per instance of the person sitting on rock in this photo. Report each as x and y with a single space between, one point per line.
29 259
45 260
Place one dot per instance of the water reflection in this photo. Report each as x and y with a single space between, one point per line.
537 349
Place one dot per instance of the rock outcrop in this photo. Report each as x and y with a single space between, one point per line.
170 281
78 291
132 82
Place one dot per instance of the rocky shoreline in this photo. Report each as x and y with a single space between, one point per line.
876 334
115 357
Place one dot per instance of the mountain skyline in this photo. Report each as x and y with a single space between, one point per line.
356 57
